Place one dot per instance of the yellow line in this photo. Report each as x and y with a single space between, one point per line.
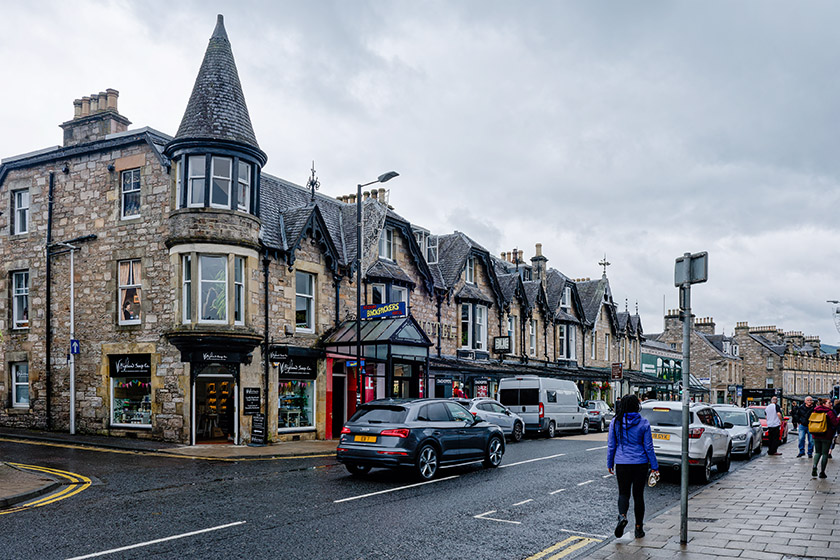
552 548
568 546
78 483
578 545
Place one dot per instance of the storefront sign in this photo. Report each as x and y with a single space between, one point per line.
480 386
443 387
215 356
126 365
377 311
258 429
251 401
501 344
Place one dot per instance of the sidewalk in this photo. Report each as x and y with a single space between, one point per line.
770 509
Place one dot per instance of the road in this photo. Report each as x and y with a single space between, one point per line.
546 492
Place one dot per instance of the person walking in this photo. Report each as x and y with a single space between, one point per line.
774 424
836 407
800 417
823 426
629 456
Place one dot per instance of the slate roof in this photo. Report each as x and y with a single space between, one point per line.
716 341
778 349
555 283
508 284
216 109
471 292
623 319
388 270
532 292
591 295
636 323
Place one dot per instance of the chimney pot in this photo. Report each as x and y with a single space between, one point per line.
77 108
539 249
94 103
520 255
382 195
85 106
103 100
112 96
351 199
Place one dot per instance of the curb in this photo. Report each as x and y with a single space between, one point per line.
9 501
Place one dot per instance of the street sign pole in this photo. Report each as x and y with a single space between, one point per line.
72 355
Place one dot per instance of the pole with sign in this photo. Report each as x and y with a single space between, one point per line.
690 269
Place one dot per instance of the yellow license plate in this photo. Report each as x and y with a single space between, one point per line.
661 436
365 439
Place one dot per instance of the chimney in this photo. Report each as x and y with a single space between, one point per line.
538 264
351 199
382 195
94 118
366 195
705 325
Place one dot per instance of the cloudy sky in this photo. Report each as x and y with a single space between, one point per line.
640 130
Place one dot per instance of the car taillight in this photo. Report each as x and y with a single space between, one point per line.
399 432
474 413
542 410
595 412
345 430
695 433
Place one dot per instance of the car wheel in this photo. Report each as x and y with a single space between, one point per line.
603 426
704 473
585 429
516 434
727 461
357 470
749 450
495 450
427 462
552 430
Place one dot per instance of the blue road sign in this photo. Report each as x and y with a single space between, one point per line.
353 363
74 346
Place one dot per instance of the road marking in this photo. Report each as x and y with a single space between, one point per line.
557 491
606 476
532 460
393 489
486 513
149 543
565 547
523 502
585 483
596 448
76 484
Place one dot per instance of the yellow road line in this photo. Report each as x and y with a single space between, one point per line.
77 483
565 547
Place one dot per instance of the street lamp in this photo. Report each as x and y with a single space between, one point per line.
385 177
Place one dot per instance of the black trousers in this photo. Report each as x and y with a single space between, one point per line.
773 439
632 479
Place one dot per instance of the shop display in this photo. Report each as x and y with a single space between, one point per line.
132 401
296 402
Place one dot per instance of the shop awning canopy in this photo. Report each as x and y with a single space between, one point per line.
397 337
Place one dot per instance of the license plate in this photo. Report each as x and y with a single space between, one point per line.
365 439
661 436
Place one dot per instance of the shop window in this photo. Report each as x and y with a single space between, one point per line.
470 271
20 384
220 171
129 292
131 399
130 197
195 182
20 211
243 193
238 291
304 302
296 404
20 299
386 244
186 291
212 275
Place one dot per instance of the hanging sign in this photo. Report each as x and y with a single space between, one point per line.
251 401
377 311
617 371
501 344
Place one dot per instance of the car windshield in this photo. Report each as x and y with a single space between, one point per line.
380 415
662 416
735 417
760 413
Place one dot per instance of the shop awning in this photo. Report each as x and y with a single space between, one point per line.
397 337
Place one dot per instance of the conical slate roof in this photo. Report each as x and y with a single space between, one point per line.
217 110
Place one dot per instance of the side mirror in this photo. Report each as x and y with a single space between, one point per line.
507 412
728 425
756 424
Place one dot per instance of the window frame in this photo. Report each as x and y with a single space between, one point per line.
17 297
246 184
398 290
469 271
239 290
511 331
606 347
134 182
14 370
386 244
214 177
311 298
137 286
17 209
202 281
466 330
532 338
432 246
480 326
561 341
193 177
186 289
383 293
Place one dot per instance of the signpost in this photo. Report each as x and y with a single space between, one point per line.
689 269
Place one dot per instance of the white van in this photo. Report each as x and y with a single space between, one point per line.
547 405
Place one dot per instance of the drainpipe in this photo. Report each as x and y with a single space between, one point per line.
265 263
48 321
440 326
337 282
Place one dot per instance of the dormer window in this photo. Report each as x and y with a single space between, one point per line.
566 299
432 249
470 271
386 244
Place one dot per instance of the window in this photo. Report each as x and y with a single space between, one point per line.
606 347
470 271
511 332
20 299
473 326
20 211
238 291
186 292
130 290
212 277
769 362
386 244
561 340
130 194
243 194
593 343
621 350
304 301
399 293
480 327
768 383
296 405
565 300
196 181
532 339
571 335
220 170
432 249
131 390
377 294
466 325
20 385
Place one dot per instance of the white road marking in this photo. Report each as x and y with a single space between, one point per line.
606 476
596 448
482 516
532 460
557 491
149 543
583 483
584 534
523 502
394 489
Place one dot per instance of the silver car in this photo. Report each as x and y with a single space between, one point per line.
600 414
746 429
496 413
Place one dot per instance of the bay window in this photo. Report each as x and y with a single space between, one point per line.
221 173
212 277
215 181
219 293
186 289
238 291
243 181
195 182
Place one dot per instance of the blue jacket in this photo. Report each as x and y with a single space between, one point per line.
636 446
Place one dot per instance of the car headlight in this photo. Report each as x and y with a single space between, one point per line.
740 437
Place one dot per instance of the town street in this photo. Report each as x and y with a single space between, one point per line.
546 492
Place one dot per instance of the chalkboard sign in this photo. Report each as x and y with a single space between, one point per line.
251 399
258 429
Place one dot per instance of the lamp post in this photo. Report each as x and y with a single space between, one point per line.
385 177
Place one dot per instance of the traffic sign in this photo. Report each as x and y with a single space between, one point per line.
74 346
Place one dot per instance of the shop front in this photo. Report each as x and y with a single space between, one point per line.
297 395
131 390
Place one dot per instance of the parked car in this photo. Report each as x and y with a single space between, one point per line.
746 430
547 405
421 434
600 414
496 413
709 442
762 416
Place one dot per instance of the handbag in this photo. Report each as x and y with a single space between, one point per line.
653 478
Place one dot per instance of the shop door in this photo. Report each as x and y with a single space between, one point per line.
339 403
403 386
215 414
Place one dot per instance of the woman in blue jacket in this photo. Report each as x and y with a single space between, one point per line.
630 452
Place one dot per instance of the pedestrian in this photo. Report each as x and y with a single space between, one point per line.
630 455
836 408
774 424
800 416
822 425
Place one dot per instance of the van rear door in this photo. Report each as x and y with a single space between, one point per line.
524 401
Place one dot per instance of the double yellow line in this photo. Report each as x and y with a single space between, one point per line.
564 547
76 483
